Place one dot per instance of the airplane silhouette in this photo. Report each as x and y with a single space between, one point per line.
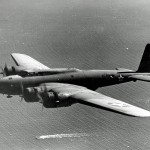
62 87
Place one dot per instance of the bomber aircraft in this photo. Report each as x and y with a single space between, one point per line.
62 87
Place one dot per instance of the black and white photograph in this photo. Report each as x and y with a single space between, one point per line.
74 75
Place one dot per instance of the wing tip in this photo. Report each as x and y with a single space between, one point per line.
13 54
141 113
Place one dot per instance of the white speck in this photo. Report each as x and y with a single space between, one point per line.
127 48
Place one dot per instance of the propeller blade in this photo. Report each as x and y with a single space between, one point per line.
2 71
21 99
42 107
22 89
40 99
5 70
38 95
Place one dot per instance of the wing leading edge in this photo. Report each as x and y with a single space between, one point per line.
82 94
28 62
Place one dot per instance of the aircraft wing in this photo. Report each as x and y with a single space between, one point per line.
28 62
84 95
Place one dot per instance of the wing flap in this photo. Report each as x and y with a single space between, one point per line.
82 94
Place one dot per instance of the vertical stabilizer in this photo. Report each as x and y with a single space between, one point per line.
145 61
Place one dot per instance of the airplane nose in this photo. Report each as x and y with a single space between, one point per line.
10 84
4 86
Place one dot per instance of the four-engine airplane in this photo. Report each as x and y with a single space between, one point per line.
61 87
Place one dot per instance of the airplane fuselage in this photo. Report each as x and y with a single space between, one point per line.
91 79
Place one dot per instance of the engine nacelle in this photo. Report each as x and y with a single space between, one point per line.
19 70
48 98
30 95
53 100
14 70
8 71
39 94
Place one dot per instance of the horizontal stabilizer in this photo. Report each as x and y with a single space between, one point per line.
122 70
141 77
28 62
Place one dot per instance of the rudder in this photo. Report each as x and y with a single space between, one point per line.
145 61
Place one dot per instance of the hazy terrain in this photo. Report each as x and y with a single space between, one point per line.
86 34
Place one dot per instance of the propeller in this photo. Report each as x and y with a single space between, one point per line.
22 91
43 99
2 71
39 97
5 70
